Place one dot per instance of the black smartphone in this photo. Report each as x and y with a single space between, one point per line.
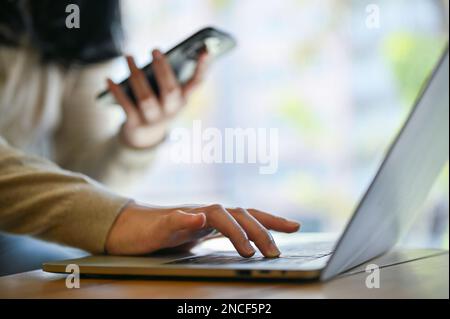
183 58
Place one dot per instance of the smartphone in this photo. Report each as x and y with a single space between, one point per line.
183 58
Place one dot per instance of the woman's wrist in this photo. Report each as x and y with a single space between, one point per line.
125 226
140 139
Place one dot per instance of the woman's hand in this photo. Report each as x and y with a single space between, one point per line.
147 121
141 230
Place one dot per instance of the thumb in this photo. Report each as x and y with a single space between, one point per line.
180 220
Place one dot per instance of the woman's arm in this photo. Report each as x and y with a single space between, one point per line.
38 198
92 139
88 140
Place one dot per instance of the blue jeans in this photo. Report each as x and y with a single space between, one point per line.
22 253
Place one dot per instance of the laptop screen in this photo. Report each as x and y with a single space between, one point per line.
403 181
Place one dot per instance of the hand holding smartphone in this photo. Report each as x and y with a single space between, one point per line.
183 59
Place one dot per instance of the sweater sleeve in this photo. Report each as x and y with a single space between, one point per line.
87 138
40 199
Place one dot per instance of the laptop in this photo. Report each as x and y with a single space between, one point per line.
385 212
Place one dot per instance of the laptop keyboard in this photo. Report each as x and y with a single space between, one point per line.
290 255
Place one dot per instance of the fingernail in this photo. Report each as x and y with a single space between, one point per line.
204 56
273 250
249 250
294 224
131 62
156 54
290 222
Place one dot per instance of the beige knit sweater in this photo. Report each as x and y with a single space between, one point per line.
48 112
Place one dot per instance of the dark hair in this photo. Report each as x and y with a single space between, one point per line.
43 23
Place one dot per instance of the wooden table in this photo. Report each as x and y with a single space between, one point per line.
424 277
